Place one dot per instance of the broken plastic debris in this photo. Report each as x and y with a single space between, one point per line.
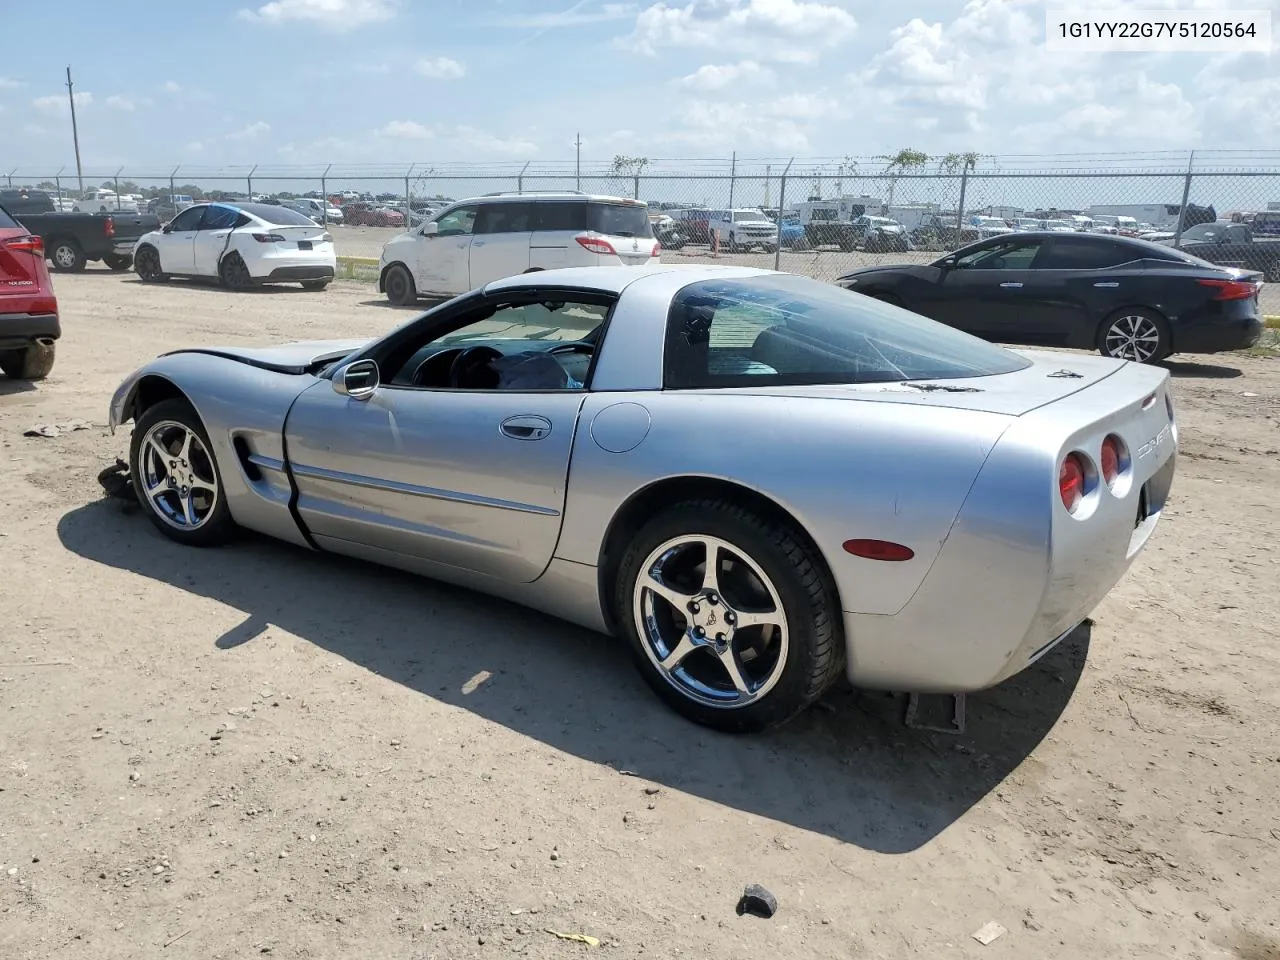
56 429
590 941
989 932
471 685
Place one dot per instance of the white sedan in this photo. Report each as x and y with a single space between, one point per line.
240 244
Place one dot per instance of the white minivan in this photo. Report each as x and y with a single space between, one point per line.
473 242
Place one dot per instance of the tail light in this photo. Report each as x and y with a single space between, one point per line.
33 245
657 250
1168 404
595 244
1113 459
1231 289
1071 481
109 228
268 238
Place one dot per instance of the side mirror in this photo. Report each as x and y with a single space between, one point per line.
430 229
167 228
357 380
947 263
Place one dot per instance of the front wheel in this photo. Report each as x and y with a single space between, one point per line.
147 265
1135 334
731 617
67 256
176 476
399 287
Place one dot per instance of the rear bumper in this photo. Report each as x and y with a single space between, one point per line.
22 329
1222 335
124 248
1016 572
301 272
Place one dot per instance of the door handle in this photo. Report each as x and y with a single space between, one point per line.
1109 284
528 427
477 243
1011 284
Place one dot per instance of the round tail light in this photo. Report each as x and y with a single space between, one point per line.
1112 453
1071 481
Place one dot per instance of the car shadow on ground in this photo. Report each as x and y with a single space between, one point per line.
209 285
1200 371
847 768
421 306
10 386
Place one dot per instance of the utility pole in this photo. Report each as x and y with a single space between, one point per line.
578 164
75 133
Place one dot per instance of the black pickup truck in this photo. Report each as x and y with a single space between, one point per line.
1232 245
70 239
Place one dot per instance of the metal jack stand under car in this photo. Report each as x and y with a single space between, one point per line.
956 725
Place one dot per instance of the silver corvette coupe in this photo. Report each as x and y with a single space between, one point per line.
757 480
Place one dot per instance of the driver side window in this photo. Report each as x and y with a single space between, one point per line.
456 223
519 346
187 220
1003 256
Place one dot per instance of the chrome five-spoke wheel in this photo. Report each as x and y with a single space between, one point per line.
178 476
711 621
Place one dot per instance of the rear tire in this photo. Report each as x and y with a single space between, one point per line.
233 272
67 257
1135 333
30 363
117 263
171 423
793 659
399 286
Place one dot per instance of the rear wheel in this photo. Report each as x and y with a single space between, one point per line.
147 265
117 263
399 287
233 272
731 617
1136 334
67 256
176 476
30 363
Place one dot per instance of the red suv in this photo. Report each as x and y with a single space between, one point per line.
28 309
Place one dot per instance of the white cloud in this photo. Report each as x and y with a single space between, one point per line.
336 15
405 130
779 124
172 86
712 77
577 15
251 132
117 102
34 130
195 146
56 104
8 83
439 68
794 31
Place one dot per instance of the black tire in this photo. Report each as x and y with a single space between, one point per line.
66 256
29 363
233 272
117 263
815 654
399 286
147 266
218 526
314 284
1114 339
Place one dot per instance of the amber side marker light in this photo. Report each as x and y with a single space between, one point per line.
878 550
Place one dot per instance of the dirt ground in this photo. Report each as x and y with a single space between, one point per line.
256 750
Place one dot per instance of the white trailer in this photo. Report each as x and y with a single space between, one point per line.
1160 215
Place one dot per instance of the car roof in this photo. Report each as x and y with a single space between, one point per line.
616 279
551 195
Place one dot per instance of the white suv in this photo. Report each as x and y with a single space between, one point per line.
744 229
473 242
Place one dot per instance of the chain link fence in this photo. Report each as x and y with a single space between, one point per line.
834 214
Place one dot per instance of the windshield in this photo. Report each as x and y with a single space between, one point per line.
619 220
747 216
782 329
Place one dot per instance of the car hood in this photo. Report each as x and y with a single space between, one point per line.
295 358
1050 377
885 268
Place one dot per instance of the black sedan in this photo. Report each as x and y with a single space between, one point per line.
1127 298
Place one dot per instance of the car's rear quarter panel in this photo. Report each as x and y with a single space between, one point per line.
843 469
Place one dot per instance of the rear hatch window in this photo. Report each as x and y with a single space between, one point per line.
277 216
619 220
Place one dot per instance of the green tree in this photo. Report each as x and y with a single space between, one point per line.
905 161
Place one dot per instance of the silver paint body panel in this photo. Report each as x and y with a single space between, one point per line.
426 480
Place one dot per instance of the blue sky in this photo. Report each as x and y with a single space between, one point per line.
215 83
